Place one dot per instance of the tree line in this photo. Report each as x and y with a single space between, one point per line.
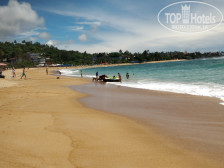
20 51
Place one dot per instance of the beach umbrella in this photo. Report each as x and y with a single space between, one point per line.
3 64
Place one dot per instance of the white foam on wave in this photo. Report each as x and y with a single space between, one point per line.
68 71
73 73
89 76
214 58
199 89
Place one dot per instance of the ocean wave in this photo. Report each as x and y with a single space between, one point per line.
199 89
213 58
68 71
74 73
192 78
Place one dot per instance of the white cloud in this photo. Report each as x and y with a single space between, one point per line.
94 48
52 42
18 19
90 23
94 25
76 28
136 33
45 35
82 37
28 34
32 39
57 43
94 28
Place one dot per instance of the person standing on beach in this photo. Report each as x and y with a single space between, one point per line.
46 70
81 74
97 75
119 75
13 72
23 74
59 74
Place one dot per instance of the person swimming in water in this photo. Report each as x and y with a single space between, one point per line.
127 75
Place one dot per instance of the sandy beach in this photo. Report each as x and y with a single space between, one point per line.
194 121
43 124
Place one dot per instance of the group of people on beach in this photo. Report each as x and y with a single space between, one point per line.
14 73
119 76
23 73
59 73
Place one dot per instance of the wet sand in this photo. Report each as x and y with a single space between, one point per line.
195 122
43 125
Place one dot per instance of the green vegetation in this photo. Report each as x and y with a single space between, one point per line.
17 54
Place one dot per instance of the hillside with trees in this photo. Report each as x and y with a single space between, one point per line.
17 54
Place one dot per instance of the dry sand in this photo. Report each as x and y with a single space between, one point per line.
42 125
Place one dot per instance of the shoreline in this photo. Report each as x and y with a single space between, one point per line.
193 121
189 88
9 81
121 64
44 125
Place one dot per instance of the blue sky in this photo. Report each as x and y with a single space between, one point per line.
101 26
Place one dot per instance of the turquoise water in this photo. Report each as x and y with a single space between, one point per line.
203 77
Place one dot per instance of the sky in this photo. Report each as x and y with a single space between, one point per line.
102 26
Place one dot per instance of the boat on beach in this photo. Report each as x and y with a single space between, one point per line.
116 79
105 78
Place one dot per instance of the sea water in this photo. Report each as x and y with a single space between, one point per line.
204 77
